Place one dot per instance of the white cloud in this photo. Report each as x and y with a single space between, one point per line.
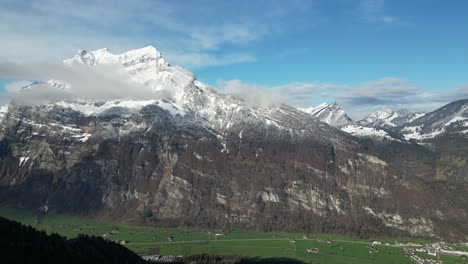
195 31
362 99
105 82
100 82
259 95
357 100
16 86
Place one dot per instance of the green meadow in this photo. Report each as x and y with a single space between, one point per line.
147 240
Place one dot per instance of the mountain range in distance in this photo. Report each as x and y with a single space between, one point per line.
411 126
183 154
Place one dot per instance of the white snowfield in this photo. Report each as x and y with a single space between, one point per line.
361 131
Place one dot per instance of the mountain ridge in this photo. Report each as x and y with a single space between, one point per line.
331 114
203 159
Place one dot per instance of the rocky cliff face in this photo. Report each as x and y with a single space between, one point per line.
203 159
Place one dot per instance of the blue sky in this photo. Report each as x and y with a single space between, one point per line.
361 53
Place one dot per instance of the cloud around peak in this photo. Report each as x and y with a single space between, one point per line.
357 100
99 82
263 96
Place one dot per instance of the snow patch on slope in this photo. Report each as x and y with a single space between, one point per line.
82 138
94 108
457 119
23 161
361 131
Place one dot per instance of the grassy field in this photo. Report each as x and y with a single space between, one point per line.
145 240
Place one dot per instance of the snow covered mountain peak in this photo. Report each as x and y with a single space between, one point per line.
103 56
449 119
383 113
59 84
331 114
145 66
388 118
147 52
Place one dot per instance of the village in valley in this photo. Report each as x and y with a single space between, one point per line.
418 253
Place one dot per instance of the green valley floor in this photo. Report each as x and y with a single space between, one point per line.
170 241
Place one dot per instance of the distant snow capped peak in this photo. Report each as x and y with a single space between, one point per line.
103 56
382 114
449 119
331 114
59 84
385 117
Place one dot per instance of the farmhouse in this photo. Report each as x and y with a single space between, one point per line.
313 250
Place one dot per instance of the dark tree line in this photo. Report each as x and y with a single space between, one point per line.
24 244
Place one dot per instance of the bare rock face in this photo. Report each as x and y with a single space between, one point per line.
206 160
173 170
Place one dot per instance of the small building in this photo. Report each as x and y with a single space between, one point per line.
313 250
432 252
